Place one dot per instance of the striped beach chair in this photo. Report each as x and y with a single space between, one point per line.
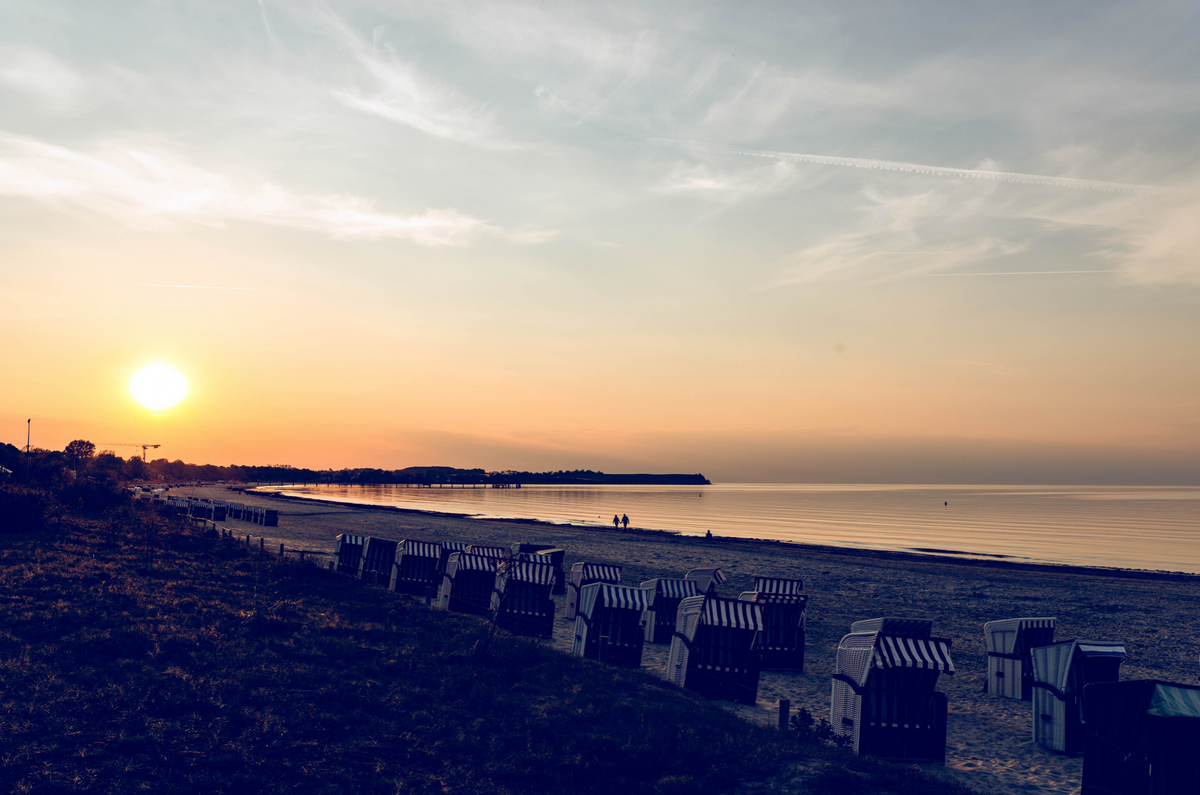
608 625
884 694
347 552
468 583
1009 644
585 574
784 605
375 566
521 598
1141 738
664 595
489 552
1060 673
416 567
706 580
448 549
712 650
548 553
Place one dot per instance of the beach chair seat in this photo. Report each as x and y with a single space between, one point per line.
664 595
1060 673
712 650
781 642
521 598
375 566
1010 643
884 694
585 574
608 624
347 553
468 583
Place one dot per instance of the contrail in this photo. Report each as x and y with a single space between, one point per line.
1017 273
197 286
936 171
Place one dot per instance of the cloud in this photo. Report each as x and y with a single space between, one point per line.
41 75
403 95
146 189
701 180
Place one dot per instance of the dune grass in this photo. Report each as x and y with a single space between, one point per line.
138 655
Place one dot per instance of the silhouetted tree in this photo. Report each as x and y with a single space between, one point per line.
79 452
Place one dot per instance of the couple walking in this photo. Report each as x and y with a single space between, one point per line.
619 520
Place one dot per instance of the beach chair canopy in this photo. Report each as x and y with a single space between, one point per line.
778 585
488 552
759 597
526 571
455 546
733 613
597 571
893 652
420 549
619 597
670 588
466 561
1060 664
705 579
916 627
1018 635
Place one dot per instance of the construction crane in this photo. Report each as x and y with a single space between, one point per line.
144 447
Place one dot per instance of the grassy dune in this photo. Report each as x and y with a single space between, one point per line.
139 655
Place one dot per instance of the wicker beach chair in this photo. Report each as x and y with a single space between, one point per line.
448 549
489 552
706 580
585 574
712 651
608 625
545 553
1009 643
1060 672
375 566
781 643
1141 738
468 583
347 553
884 692
416 567
521 598
664 595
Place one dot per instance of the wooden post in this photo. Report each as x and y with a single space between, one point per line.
281 550
428 595
247 540
785 706
262 543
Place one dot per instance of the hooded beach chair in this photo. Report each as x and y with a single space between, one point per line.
378 555
706 580
468 583
712 650
663 597
546 553
784 605
1142 738
585 574
489 552
347 552
1009 643
521 598
608 624
1060 672
448 549
884 691
416 567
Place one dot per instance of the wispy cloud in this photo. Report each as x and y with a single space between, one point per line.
197 286
142 188
39 74
403 95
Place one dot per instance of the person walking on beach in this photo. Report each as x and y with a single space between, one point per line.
625 520
616 522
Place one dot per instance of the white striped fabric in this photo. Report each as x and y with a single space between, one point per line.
1094 649
623 597
778 585
422 549
600 571
898 651
762 598
1175 701
488 552
349 539
671 588
719 612
455 546
469 562
527 571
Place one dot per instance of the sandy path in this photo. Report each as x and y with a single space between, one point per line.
989 738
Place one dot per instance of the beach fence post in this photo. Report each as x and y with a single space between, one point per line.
247 541
281 550
428 595
604 648
785 707
262 544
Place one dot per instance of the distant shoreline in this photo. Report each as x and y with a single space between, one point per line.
946 556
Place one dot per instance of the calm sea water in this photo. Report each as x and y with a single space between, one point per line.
1123 527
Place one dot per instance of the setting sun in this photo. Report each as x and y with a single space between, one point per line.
158 387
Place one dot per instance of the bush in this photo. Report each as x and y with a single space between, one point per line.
24 510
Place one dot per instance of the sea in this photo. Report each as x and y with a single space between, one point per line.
1136 527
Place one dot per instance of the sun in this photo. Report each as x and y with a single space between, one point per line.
158 387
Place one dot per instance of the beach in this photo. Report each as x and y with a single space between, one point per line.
989 741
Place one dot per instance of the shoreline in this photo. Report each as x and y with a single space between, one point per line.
919 555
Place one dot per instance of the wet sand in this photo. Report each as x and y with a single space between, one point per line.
989 739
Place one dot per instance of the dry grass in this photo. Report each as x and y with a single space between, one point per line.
137 655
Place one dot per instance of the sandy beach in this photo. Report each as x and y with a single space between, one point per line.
989 739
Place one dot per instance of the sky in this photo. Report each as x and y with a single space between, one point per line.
776 242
